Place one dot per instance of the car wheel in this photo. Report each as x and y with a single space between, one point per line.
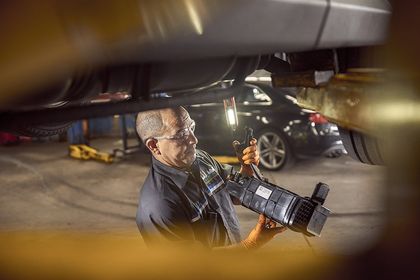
361 147
42 130
274 150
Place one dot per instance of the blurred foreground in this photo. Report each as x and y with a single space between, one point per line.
61 217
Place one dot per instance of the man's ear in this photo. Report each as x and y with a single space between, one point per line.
151 144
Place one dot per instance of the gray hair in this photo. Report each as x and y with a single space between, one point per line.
149 124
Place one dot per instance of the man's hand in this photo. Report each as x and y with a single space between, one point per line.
262 233
248 156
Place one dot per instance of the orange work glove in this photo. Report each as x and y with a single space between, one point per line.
262 233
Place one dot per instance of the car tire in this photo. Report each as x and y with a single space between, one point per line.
43 130
361 147
275 152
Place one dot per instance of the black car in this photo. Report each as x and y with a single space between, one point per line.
284 131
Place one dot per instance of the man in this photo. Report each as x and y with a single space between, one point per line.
183 197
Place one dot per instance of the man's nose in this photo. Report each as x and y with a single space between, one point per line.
192 139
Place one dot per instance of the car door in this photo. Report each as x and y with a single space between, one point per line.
254 107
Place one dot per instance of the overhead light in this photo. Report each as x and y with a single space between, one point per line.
258 79
251 79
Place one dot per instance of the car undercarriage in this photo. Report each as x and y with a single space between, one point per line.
355 62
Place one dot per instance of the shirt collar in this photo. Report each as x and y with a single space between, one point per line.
178 176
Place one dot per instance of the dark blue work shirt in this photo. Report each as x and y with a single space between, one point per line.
176 205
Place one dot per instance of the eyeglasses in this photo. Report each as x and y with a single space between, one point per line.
183 134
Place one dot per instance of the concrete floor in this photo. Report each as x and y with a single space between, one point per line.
42 188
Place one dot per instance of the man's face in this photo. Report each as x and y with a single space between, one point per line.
178 148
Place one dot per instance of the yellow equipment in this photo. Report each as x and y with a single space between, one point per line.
226 159
85 152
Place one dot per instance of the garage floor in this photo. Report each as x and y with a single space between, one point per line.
43 189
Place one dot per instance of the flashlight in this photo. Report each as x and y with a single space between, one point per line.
230 111
232 121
